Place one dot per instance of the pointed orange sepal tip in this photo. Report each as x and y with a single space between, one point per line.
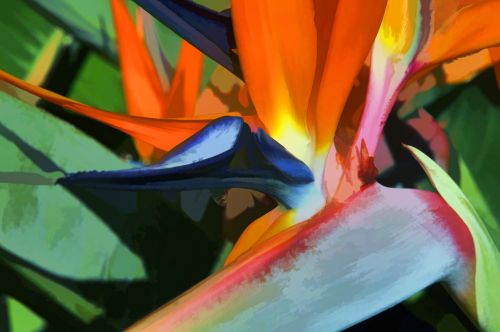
185 87
141 84
163 134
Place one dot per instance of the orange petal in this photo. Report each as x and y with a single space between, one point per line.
283 222
252 234
278 60
303 72
465 68
262 229
393 51
163 134
183 93
141 83
354 28
460 27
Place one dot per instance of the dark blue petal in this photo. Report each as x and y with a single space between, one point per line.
206 29
289 166
225 154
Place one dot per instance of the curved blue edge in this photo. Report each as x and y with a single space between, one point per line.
208 30
289 166
214 142
212 158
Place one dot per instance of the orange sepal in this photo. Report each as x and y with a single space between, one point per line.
163 134
141 83
270 224
344 59
278 59
465 68
183 93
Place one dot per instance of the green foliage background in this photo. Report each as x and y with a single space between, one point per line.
42 225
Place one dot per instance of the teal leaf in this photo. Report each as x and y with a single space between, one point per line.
43 223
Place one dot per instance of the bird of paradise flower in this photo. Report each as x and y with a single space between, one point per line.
356 247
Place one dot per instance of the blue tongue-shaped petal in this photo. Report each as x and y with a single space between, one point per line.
225 154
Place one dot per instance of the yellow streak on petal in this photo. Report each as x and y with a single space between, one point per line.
276 45
252 234
398 26
292 136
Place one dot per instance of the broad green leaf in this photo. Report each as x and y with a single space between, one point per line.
41 222
472 121
24 47
99 84
487 255
89 21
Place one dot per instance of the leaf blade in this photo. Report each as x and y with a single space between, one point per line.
487 254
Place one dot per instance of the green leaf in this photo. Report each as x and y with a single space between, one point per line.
43 223
472 121
72 302
91 21
99 84
22 44
487 255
